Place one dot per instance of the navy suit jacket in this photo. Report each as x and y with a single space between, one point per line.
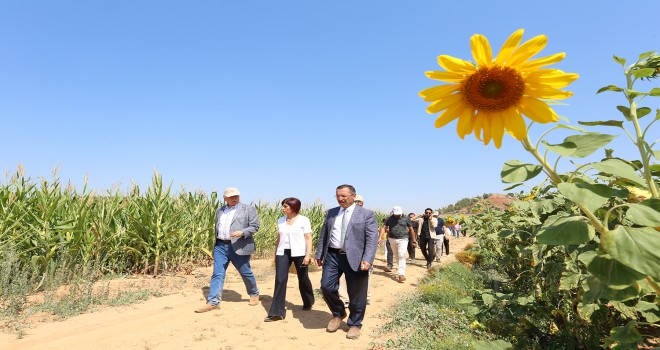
361 236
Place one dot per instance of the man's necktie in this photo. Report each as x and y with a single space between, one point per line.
344 226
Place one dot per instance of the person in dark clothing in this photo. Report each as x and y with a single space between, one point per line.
426 235
415 227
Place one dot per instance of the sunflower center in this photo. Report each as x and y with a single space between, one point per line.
493 89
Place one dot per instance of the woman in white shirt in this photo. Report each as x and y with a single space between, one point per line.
294 245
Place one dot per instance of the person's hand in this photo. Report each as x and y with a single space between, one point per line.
364 265
307 260
318 262
414 244
236 234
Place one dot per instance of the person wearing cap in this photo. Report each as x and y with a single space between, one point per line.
347 246
399 230
426 234
235 225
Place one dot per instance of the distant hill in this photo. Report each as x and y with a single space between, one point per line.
469 205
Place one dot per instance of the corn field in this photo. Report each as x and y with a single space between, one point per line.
45 225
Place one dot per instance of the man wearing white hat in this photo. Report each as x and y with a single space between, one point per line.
235 225
399 230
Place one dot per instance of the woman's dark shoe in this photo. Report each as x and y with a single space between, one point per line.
307 308
273 318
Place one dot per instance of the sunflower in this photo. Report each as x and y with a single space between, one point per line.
492 95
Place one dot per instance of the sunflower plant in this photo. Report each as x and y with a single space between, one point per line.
578 239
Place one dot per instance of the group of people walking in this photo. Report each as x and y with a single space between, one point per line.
346 249
403 234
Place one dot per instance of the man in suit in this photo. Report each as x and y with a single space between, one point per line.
235 225
347 246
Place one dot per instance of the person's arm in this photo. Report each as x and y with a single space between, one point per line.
371 241
319 245
308 249
383 234
253 224
413 236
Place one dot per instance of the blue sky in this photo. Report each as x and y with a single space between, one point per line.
282 98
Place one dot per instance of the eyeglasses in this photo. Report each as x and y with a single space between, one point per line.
344 197
428 213
359 202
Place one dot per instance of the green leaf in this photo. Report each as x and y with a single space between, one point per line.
657 114
645 55
565 149
512 187
609 88
586 310
625 335
637 248
592 196
620 168
491 345
655 92
616 123
633 93
646 213
588 143
611 272
580 146
565 230
650 311
642 112
517 171
596 289
643 73
621 61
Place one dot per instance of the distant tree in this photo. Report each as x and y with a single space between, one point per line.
485 195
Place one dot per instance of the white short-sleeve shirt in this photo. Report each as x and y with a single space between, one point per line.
293 236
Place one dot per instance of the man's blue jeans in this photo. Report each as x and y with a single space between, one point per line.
223 253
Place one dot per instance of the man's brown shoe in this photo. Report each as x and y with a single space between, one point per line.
254 300
402 278
207 308
334 324
353 333
388 269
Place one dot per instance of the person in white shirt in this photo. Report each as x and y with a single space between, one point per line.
294 245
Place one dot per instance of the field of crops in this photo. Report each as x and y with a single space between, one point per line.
46 225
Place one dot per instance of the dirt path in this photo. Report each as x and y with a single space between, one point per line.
169 322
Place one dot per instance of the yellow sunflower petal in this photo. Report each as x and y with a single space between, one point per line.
542 61
465 121
509 45
497 126
527 50
438 92
487 126
481 50
550 77
447 116
450 77
547 92
444 103
453 64
478 125
537 111
515 124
